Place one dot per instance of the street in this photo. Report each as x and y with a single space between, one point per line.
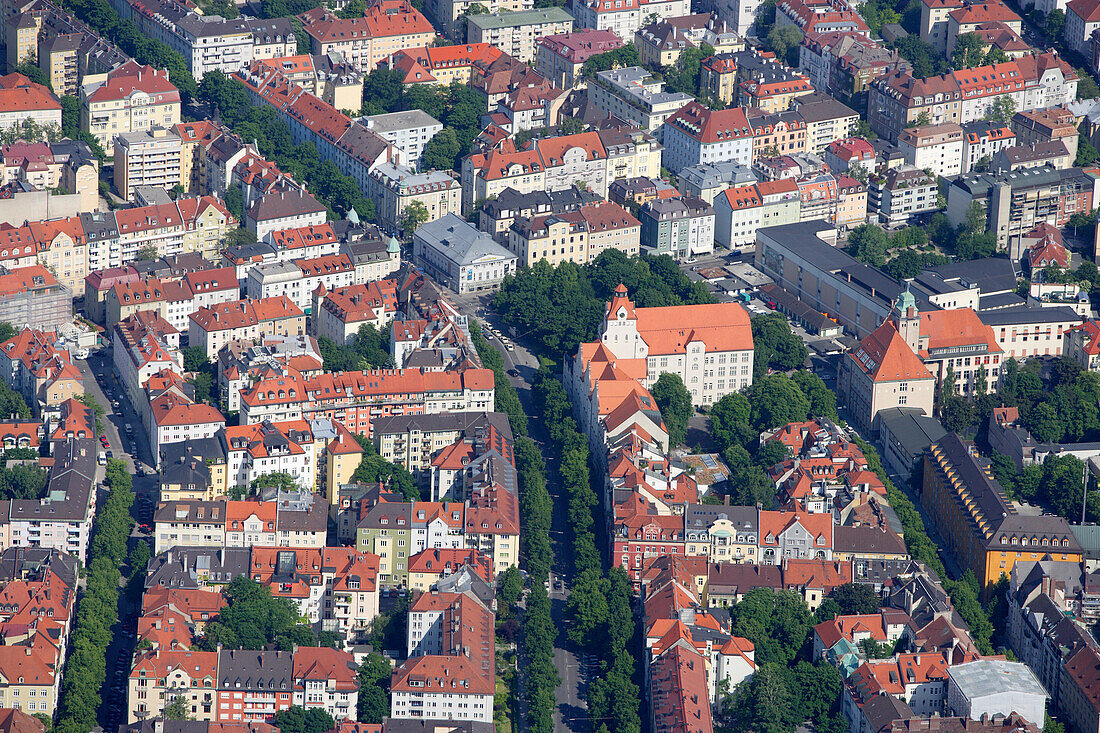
101 383
522 365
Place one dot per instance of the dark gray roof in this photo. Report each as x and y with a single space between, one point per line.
408 725
1029 315
315 519
866 539
99 225
911 428
255 670
447 421
69 488
29 563
999 300
991 275
181 567
701 516
817 107
283 203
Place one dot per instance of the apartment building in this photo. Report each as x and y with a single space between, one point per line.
973 16
386 27
292 523
442 65
1035 81
636 96
148 158
450 667
978 522
408 131
340 313
212 327
901 195
680 227
415 441
132 98
938 148
393 188
558 163
627 16
517 33
368 395
44 374
842 64
559 57
1016 202
284 209
575 236
32 295
21 99
1082 19
982 140
696 135
1039 126
449 15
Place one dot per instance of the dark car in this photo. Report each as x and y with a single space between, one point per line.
513 372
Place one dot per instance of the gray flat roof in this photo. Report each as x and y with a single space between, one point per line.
519 17
993 677
401 121
1028 314
910 427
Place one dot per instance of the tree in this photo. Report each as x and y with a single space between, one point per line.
925 58
856 599
374 469
194 359
777 622
775 346
766 702
784 41
147 252
442 151
869 243
34 73
625 55
382 91
1054 25
969 52
299 720
278 480
374 685
177 709
776 400
415 214
674 402
234 202
822 399
1002 109
509 589
1086 153
1086 85
7 331
729 421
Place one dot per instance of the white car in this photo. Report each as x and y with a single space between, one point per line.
81 354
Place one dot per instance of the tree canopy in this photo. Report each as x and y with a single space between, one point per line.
374 468
674 401
557 308
368 348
